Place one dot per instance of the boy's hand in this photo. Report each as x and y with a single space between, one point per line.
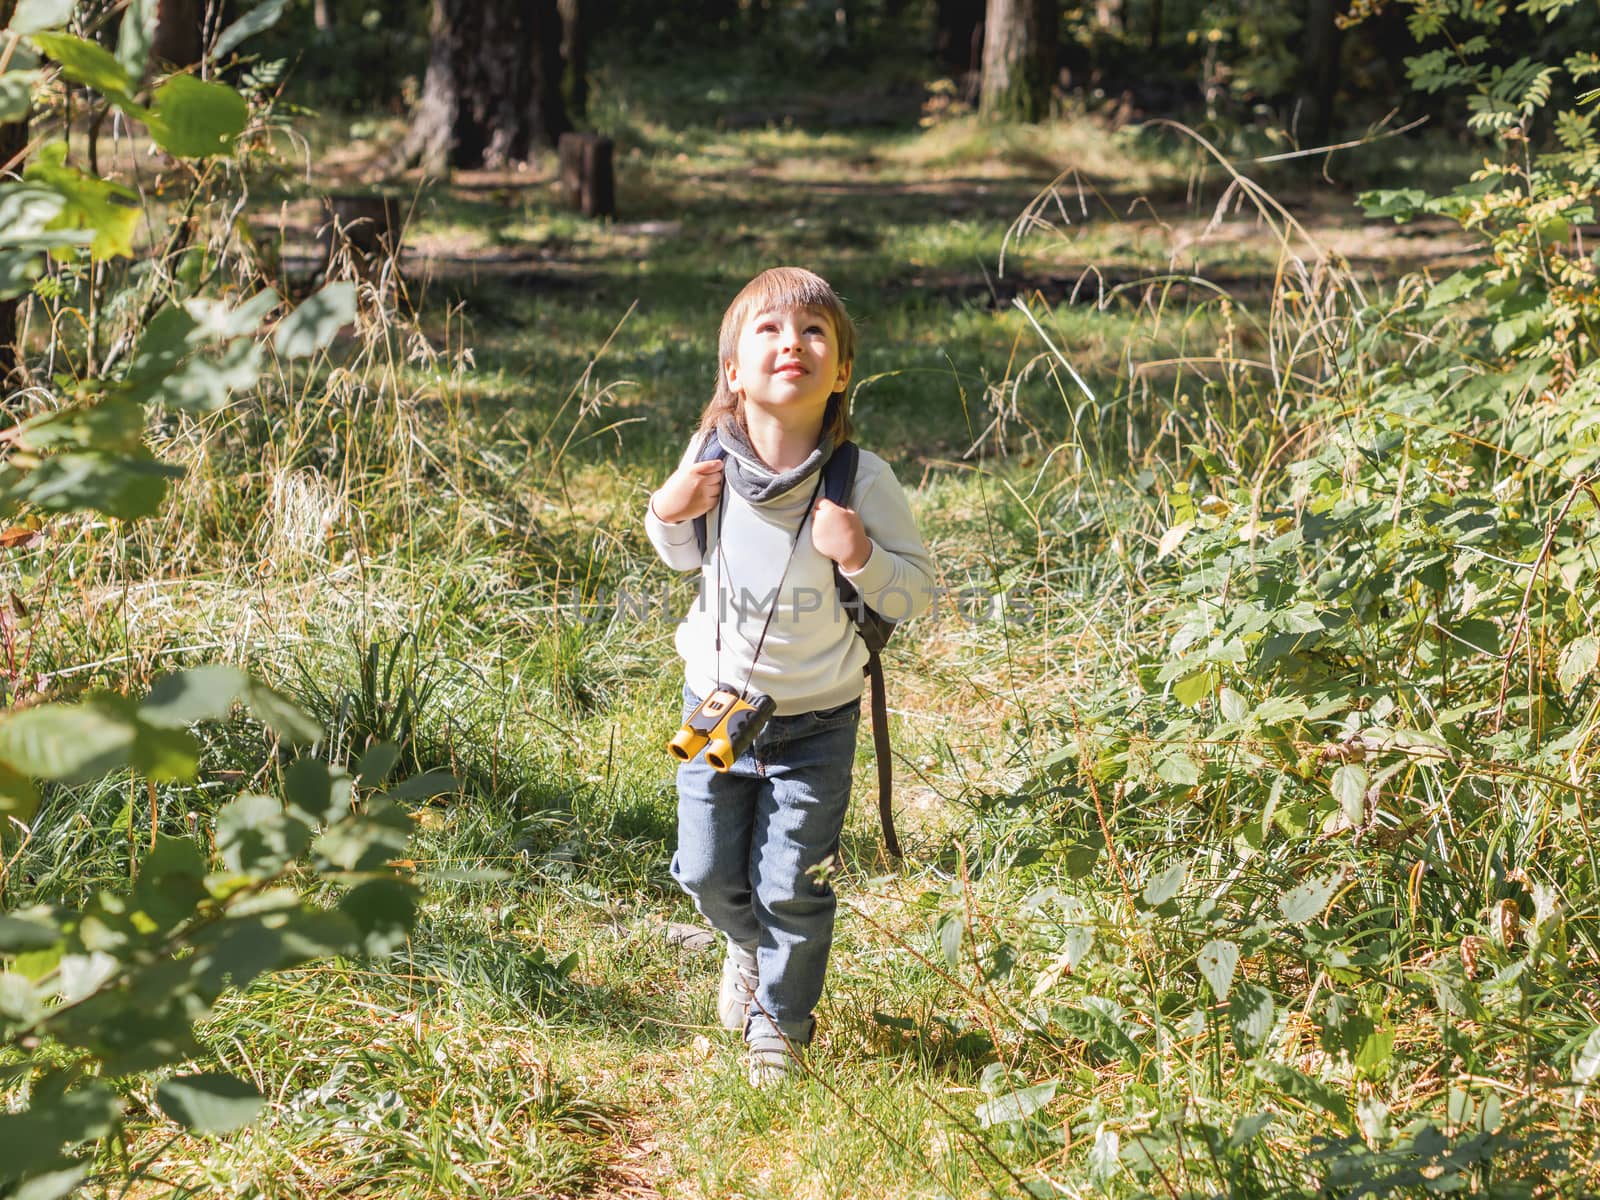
689 492
837 532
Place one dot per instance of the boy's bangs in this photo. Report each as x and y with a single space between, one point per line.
784 289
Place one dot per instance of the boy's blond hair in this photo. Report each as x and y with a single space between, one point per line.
782 289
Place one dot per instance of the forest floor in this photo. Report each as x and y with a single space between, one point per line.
542 1035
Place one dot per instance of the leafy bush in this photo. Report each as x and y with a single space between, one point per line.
1315 885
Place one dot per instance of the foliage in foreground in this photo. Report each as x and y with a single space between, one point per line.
1312 898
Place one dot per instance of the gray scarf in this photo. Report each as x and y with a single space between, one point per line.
750 477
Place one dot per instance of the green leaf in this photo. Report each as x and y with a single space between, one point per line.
200 694
1179 769
35 16
383 910
193 118
83 974
426 786
165 755
1349 788
116 485
1311 1092
68 743
167 339
1015 1106
206 383
135 34
1578 660
32 1140
1246 1129
313 325
1105 1155
255 836
18 935
90 64
215 319
376 764
112 425
209 1103
1218 961
171 881
1306 902
281 714
16 95
1234 706
19 799
1250 1010
1193 688
108 211
18 270
1586 1063
950 932
1479 635
314 789
1164 885
51 1184
263 16
366 843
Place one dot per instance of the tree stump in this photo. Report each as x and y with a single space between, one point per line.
367 228
586 174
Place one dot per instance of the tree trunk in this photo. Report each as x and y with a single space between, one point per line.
1319 73
575 33
13 140
955 41
322 16
177 38
493 88
1019 59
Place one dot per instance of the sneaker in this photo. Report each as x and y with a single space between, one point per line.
770 1059
738 989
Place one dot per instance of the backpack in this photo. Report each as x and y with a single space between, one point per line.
838 479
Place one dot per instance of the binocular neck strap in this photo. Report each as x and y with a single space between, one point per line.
777 592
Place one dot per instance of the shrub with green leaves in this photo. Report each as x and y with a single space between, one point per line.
95 994
1314 886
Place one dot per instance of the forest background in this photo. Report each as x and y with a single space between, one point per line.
1240 360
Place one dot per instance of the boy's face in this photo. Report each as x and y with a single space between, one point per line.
786 363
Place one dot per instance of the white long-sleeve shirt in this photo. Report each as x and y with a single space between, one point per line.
812 657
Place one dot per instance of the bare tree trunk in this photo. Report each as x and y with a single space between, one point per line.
1019 59
322 16
575 33
177 38
493 88
959 25
13 140
1319 74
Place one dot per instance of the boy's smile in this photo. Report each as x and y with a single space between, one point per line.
786 365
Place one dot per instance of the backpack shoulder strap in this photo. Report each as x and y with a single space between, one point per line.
838 481
709 449
839 473
880 751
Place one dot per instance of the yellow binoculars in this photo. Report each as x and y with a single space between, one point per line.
724 725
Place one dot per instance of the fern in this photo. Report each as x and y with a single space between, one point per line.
1575 132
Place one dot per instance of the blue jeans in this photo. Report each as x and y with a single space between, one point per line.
756 846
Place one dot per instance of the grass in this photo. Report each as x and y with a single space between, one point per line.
459 481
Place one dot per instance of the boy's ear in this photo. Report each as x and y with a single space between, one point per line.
731 374
844 376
